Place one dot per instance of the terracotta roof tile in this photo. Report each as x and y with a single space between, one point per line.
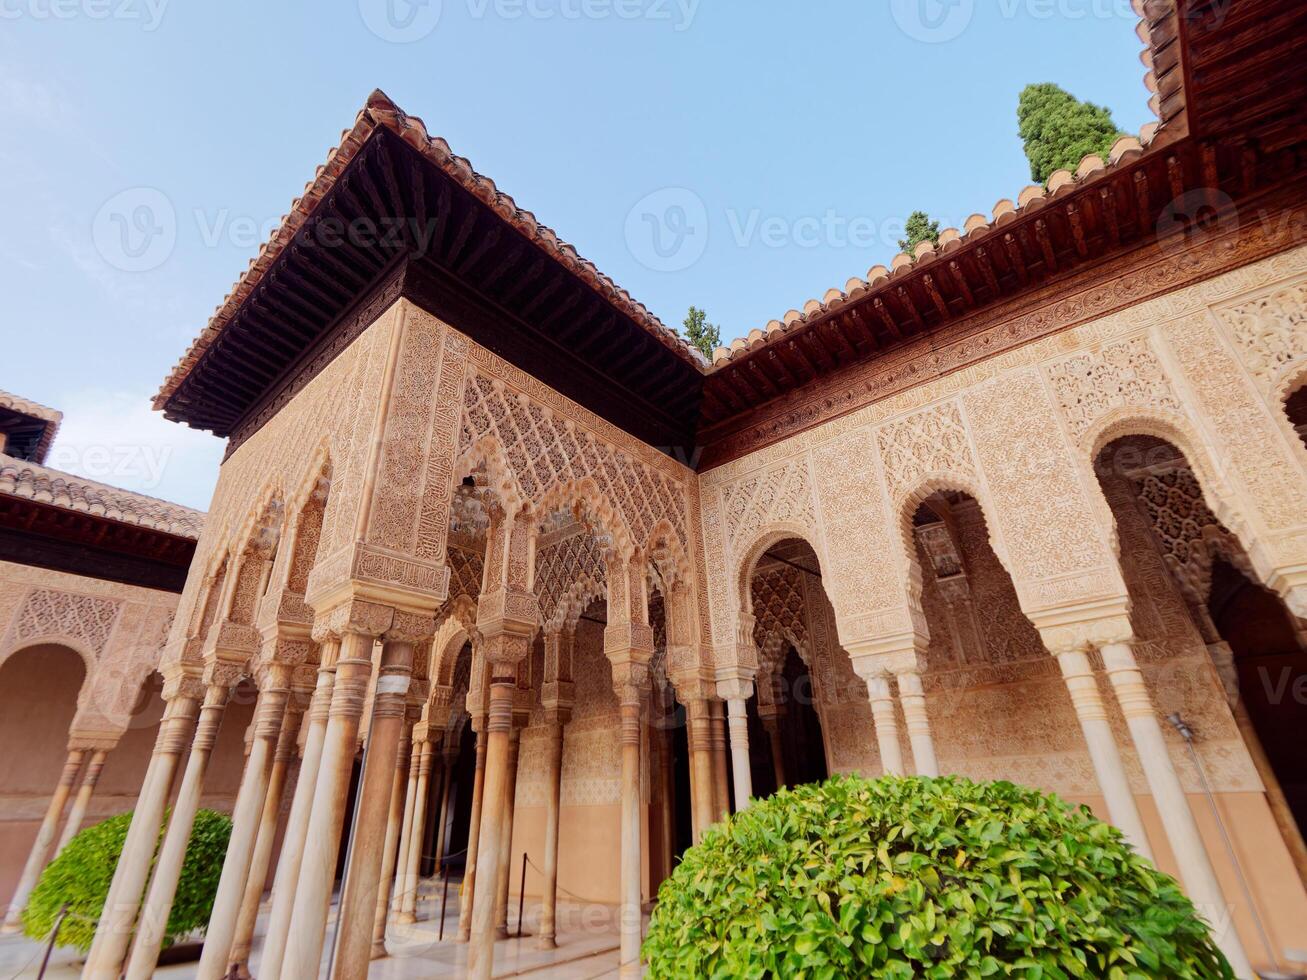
19 478
25 406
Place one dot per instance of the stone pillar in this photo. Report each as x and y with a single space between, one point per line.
555 718
114 931
772 723
473 834
631 682
720 781
238 964
413 873
36 858
736 693
358 900
449 758
297 823
312 893
411 757
699 736
246 817
82 802
401 797
666 780
1102 747
1196 869
886 723
153 923
504 878
914 712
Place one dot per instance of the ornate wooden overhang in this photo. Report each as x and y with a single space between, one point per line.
393 223
25 436
47 536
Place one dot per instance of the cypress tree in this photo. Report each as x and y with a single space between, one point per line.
700 333
918 228
1059 130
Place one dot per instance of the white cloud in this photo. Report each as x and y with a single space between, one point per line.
114 437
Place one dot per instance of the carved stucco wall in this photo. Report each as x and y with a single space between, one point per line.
1206 366
118 630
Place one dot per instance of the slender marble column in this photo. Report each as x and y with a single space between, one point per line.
914 713
450 757
358 900
506 838
667 826
499 727
246 817
238 964
308 922
82 802
473 838
773 726
297 823
114 931
408 909
555 718
630 921
153 923
395 829
740 770
701 756
1181 830
36 858
887 725
405 828
720 780
1103 752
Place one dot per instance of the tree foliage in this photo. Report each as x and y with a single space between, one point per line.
918 877
80 877
919 228
700 333
1059 130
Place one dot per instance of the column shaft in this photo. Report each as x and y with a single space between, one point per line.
887 725
631 865
358 900
701 756
473 839
499 724
297 823
503 881
777 750
413 873
238 961
151 928
720 788
405 829
1102 747
1181 830
549 895
446 784
667 826
45 835
246 817
399 799
914 713
312 893
114 931
740 769
82 802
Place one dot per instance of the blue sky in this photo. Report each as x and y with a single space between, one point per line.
796 136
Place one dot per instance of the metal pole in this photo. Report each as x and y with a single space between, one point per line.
521 897
54 938
444 895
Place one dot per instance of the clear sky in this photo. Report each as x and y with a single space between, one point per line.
780 145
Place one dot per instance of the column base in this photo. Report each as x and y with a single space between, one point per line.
546 942
379 951
407 918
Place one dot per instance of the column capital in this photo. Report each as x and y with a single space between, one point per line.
506 610
224 674
183 686
558 695
631 683
353 616
1080 625
735 688
885 663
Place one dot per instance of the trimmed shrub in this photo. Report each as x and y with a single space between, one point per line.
80 876
921 877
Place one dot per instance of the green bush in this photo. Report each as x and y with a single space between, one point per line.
922 878
81 874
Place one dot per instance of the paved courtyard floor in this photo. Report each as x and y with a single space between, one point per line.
587 948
